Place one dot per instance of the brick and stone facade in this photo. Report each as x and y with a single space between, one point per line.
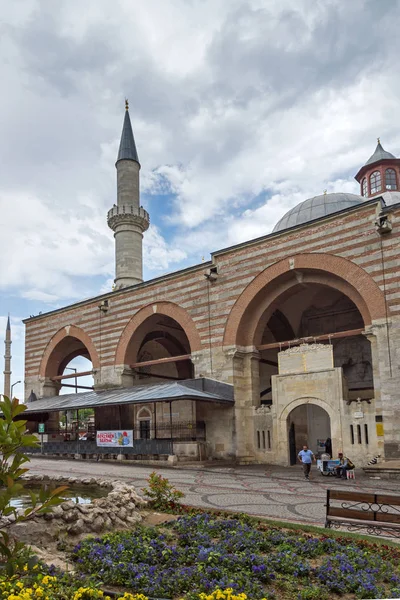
328 274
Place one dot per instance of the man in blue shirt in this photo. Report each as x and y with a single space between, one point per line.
306 457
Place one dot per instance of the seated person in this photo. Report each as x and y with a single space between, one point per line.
345 465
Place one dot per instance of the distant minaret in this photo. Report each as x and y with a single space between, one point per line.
7 360
128 219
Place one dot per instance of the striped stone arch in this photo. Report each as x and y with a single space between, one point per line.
65 345
168 309
254 305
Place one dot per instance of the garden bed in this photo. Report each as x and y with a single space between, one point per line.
204 552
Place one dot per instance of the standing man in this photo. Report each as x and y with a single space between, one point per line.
306 457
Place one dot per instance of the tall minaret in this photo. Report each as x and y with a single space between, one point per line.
128 219
7 360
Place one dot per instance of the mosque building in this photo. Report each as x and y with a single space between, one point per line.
290 338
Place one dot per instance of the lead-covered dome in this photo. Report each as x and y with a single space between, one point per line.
316 208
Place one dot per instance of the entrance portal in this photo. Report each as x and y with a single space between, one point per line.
308 424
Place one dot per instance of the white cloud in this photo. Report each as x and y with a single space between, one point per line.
240 110
41 296
157 254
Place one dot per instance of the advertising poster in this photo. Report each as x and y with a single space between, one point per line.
114 439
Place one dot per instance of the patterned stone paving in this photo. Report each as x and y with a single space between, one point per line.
275 492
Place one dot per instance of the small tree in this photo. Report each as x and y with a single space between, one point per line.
14 440
162 494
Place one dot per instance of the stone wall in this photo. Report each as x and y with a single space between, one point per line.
119 509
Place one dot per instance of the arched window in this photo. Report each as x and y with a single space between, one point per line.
375 181
390 179
364 187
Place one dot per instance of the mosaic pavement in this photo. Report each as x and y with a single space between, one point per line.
274 492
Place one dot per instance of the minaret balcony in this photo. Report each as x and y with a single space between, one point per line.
127 214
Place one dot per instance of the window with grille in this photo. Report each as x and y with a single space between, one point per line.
364 187
390 179
375 182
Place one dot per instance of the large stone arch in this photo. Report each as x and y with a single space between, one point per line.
168 309
69 331
282 277
301 400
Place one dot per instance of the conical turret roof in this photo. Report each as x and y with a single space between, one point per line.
379 154
127 147
8 328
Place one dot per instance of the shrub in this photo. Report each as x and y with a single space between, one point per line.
14 440
162 494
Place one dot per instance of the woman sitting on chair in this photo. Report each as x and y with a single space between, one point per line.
344 466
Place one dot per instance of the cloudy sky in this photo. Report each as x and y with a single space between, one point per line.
240 110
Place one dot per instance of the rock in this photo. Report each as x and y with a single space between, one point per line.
48 516
132 520
57 511
86 481
122 513
68 505
76 528
83 508
107 522
97 524
70 516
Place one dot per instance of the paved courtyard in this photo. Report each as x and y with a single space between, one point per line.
274 492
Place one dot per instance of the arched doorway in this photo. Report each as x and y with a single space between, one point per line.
308 424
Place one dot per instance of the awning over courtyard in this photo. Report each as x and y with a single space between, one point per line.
202 389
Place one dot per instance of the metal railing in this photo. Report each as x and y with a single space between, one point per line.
179 431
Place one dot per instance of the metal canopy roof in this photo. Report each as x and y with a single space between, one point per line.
202 389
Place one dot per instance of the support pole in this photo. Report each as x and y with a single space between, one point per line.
311 339
170 423
161 361
71 376
155 420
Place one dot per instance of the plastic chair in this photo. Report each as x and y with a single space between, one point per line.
351 474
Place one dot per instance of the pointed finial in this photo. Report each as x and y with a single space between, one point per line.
325 192
379 140
202 259
126 104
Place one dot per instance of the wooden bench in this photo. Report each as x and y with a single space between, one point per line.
378 514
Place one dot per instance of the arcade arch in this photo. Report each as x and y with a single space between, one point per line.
70 350
281 277
157 334
310 311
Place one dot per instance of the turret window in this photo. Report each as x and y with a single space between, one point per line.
364 187
390 179
376 182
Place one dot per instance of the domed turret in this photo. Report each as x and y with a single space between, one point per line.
380 173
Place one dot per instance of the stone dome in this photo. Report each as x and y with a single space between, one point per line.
316 208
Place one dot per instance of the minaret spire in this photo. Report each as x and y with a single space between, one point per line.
7 360
127 218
